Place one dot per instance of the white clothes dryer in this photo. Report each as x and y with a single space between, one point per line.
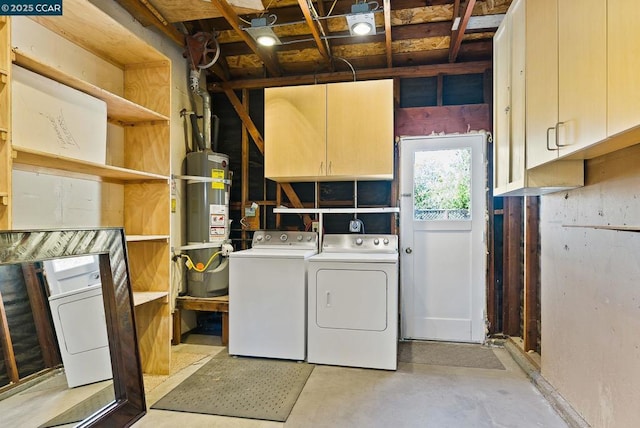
353 302
77 310
268 295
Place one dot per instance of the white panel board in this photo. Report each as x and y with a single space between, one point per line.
45 201
54 118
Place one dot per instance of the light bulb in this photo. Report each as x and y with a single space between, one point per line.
362 28
266 40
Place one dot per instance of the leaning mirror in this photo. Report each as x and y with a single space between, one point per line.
66 293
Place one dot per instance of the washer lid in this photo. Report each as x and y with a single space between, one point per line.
355 257
273 253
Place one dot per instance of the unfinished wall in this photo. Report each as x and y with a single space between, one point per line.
591 292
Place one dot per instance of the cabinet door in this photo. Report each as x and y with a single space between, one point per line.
295 132
360 129
542 80
502 104
582 73
518 85
623 87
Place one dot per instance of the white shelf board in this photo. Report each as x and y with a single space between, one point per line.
142 297
198 246
336 210
140 238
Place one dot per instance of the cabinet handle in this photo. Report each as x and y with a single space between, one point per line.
329 169
328 299
558 145
549 130
322 168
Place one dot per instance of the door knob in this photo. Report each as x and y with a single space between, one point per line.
408 250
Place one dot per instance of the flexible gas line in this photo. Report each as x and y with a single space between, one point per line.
191 265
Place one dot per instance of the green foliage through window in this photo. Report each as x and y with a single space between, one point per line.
442 185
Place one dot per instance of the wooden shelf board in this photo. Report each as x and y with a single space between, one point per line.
142 297
622 228
47 163
336 210
86 25
142 238
118 109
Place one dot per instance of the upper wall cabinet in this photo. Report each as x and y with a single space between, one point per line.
623 85
525 107
340 131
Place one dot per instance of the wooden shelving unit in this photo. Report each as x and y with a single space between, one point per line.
48 163
143 110
119 110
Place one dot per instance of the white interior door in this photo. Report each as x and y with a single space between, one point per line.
442 232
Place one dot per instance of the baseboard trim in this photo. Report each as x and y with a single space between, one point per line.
557 401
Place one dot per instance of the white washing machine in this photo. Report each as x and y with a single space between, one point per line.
353 302
77 310
268 295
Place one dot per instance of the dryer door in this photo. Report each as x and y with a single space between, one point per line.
351 299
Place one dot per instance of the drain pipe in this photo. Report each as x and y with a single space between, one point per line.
194 85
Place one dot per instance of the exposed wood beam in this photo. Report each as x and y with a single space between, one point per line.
144 11
232 18
244 191
304 6
458 34
383 73
246 120
7 346
39 304
386 6
259 141
291 194
531 273
325 27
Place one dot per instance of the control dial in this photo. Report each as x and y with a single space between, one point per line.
283 237
359 241
385 241
299 238
376 241
267 237
259 238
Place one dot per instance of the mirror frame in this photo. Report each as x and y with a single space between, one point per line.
110 244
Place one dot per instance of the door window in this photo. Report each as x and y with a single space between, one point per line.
442 185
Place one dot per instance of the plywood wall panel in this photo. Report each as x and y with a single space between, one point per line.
590 294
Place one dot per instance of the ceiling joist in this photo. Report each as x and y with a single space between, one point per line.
306 11
458 33
370 74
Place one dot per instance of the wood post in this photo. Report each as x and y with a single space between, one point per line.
532 273
512 265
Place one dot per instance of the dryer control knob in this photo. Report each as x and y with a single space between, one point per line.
376 241
259 238
299 238
385 241
283 237
267 237
359 241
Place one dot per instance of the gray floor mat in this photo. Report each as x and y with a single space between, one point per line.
448 354
241 387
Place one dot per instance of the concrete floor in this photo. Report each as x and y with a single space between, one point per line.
416 395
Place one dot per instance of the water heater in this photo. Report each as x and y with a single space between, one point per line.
208 223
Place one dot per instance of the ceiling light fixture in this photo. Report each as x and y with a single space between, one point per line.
262 32
361 20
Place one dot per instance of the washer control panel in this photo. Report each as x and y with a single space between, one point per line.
360 243
284 239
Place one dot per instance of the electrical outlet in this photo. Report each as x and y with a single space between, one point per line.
315 226
355 226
